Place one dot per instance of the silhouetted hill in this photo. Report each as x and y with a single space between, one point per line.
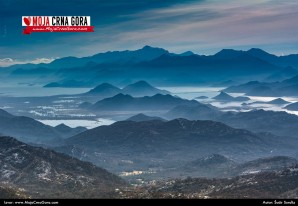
288 87
225 97
278 101
142 117
261 121
29 130
142 88
228 54
104 89
137 89
259 53
4 113
256 120
187 53
293 107
200 111
202 97
66 131
122 102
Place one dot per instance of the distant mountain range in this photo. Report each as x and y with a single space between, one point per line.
46 174
29 130
288 87
159 67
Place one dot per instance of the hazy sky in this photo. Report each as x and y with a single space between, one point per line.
202 26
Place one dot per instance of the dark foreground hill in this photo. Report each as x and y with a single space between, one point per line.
9 192
280 184
44 173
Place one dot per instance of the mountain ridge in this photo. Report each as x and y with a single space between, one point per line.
133 65
48 174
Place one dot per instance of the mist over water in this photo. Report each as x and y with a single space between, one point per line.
38 91
89 124
193 92
182 92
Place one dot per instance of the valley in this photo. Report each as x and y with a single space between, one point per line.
148 138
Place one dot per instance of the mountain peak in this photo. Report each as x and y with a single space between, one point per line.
148 47
121 96
261 54
105 88
141 83
142 88
226 97
257 51
223 96
62 126
142 117
4 113
228 53
187 53
148 53
279 101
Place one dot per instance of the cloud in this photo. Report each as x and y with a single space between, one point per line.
9 61
206 27
6 62
42 60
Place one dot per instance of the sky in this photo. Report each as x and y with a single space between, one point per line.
201 26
